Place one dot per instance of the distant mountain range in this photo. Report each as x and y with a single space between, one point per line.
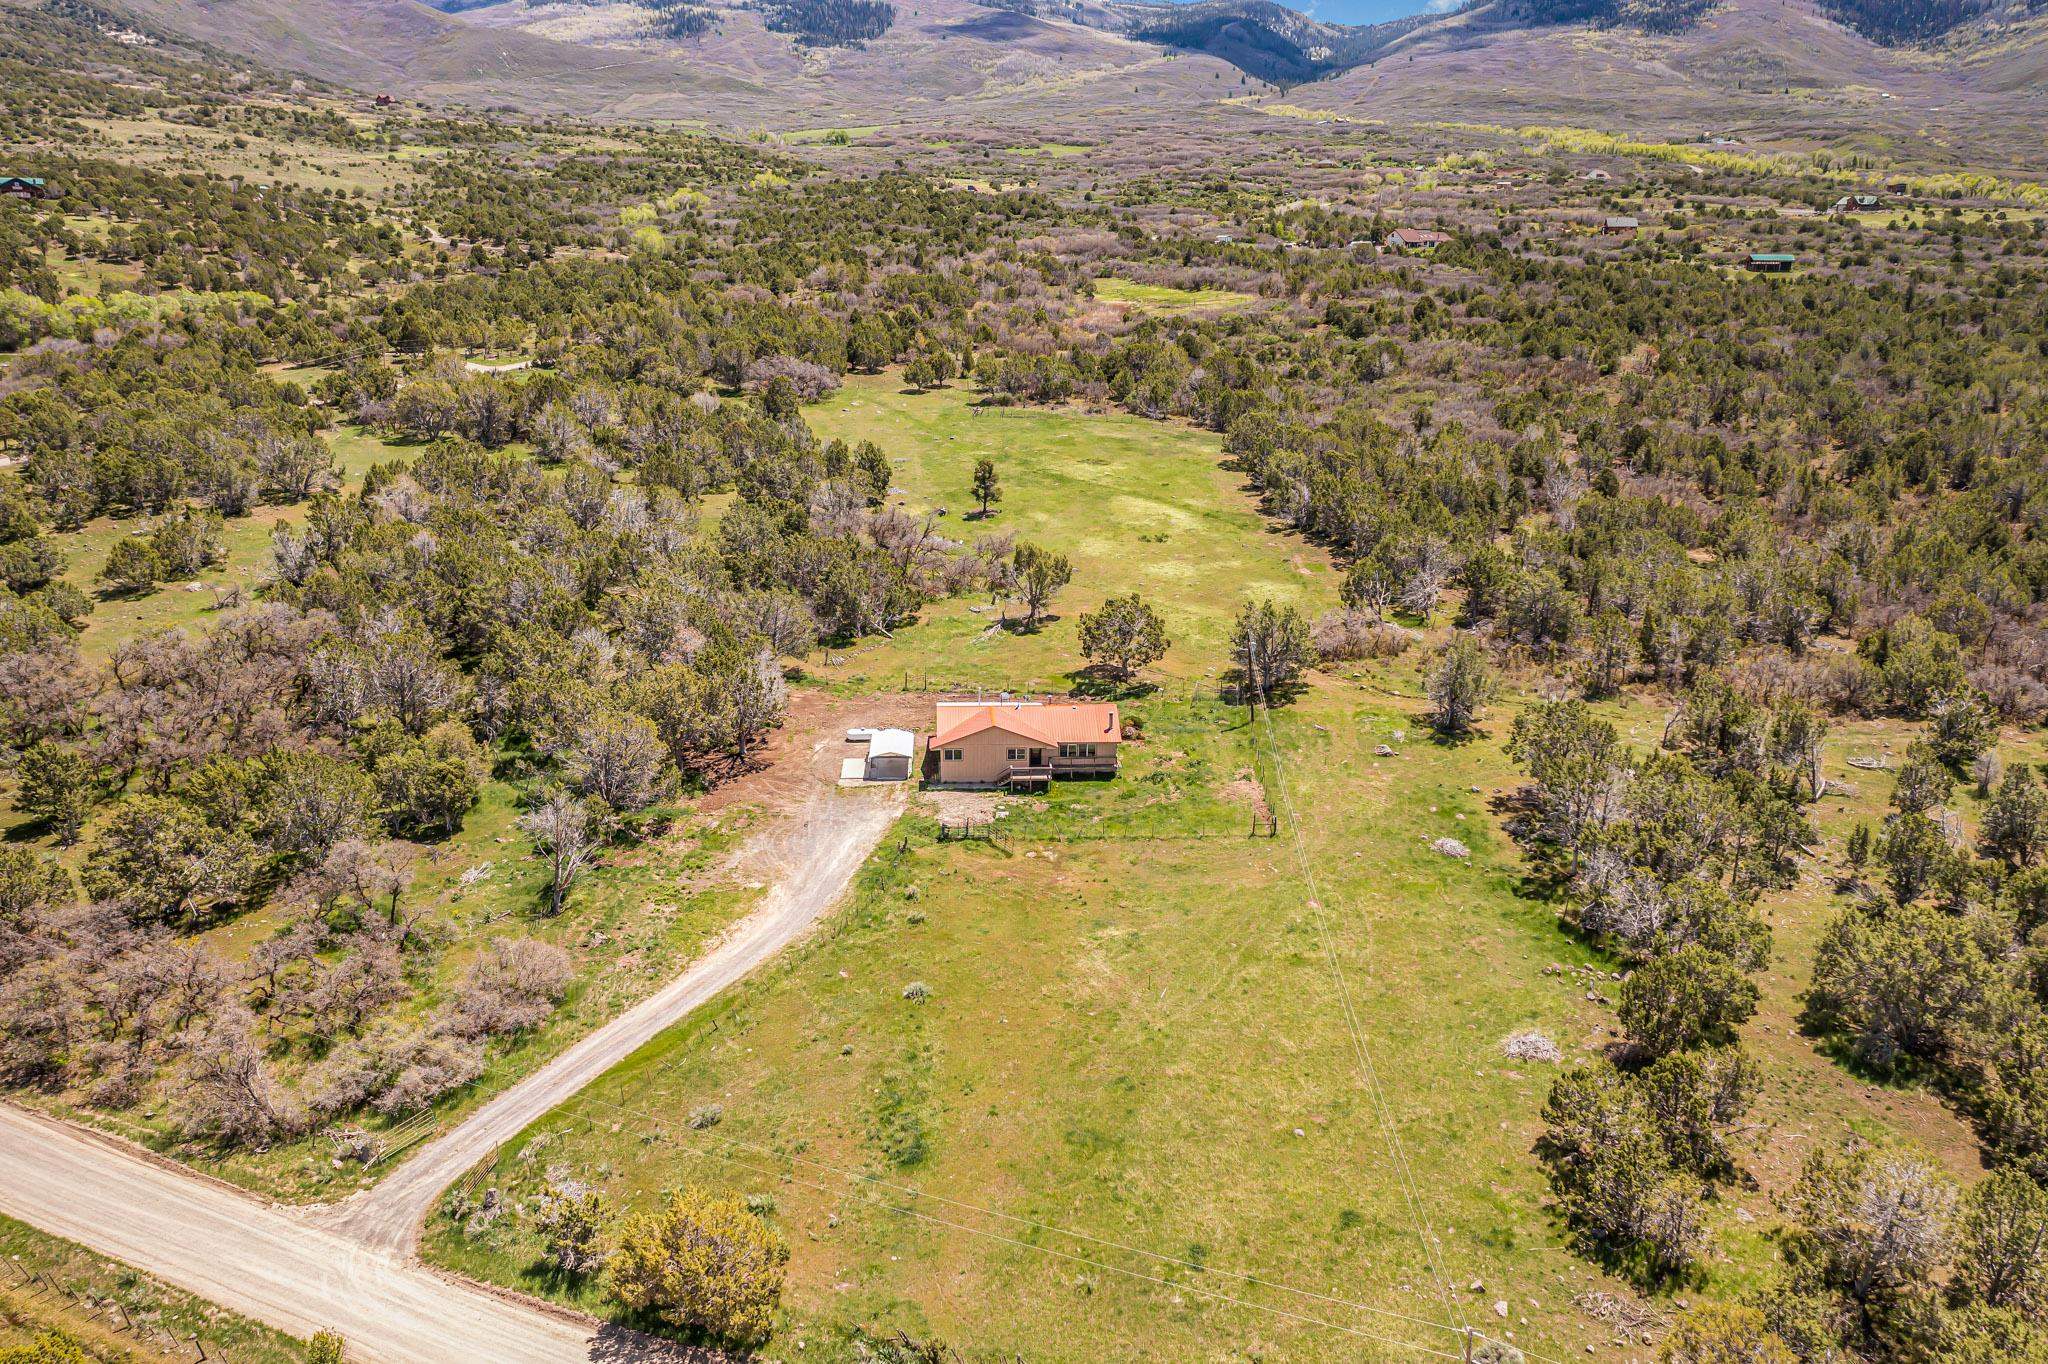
1942 72
1276 43
1266 40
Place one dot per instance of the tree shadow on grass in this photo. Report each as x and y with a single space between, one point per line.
1098 683
1905 1074
618 1343
124 592
1548 868
1631 1262
1460 739
717 770
1236 692
28 831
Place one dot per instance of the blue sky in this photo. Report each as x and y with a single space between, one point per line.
1359 11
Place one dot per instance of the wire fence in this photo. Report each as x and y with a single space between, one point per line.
110 1313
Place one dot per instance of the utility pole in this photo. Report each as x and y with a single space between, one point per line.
1251 649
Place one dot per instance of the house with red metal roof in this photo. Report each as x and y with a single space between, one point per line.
1022 744
1416 239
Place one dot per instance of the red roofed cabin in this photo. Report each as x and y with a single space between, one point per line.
1416 239
1023 743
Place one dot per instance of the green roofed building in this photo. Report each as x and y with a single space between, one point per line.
1772 262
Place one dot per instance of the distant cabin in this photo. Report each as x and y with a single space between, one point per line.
1620 227
1772 262
1856 203
1416 239
26 187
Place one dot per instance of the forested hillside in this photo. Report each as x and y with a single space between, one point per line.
833 22
1912 21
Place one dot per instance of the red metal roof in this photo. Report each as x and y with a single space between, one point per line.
1051 722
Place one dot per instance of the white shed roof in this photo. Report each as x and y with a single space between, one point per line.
892 743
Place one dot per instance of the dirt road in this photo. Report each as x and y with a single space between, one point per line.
349 1267
264 1262
807 861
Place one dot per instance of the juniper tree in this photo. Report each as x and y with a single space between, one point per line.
1461 685
1040 574
1124 635
2015 823
1270 648
57 785
988 488
703 1262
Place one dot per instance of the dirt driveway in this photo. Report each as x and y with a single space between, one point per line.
805 852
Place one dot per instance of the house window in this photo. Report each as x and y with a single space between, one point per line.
1077 750
1017 755
951 755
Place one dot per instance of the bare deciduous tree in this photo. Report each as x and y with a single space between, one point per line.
514 985
226 1089
560 829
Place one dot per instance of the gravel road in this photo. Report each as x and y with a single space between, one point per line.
349 1267
264 1262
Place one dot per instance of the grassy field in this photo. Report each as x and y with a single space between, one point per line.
1137 505
184 605
62 1281
1126 1115
803 137
1165 300
1133 1060
1059 151
1133 1036
165 145
1934 218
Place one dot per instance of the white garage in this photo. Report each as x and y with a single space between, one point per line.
889 755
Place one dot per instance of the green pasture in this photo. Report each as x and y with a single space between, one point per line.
1165 300
1138 506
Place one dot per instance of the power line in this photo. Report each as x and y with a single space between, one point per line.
1425 1232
